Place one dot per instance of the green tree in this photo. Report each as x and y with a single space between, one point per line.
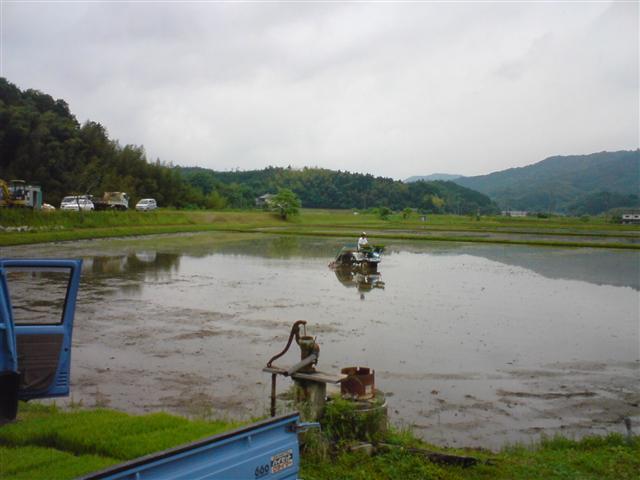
216 201
433 203
285 203
384 213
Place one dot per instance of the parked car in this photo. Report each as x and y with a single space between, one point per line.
146 204
77 203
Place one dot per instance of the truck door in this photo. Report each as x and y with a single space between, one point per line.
9 378
41 305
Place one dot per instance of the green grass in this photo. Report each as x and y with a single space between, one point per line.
400 455
46 439
49 443
393 465
30 463
597 458
557 231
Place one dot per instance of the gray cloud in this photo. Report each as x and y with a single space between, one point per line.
391 89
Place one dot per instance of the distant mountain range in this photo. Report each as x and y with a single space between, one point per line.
434 176
574 184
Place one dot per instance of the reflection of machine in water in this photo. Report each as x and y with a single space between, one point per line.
358 277
365 259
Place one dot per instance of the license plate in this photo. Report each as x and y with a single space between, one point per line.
282 461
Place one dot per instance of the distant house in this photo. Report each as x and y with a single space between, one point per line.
264 200
515 213
631 217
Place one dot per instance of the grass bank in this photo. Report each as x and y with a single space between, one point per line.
48 443
28 227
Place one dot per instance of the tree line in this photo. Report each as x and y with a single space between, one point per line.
323 188
42 142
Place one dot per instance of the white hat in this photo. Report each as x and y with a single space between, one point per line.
364 234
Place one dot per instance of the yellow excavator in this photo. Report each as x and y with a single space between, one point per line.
5 195
17 193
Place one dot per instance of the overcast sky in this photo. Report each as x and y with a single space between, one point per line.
392 89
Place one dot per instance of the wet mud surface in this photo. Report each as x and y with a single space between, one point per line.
474 345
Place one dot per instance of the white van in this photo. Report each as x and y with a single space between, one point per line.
77 203
146 204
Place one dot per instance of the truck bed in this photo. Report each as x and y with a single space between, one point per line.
263 450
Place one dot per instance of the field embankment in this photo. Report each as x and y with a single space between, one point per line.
27 227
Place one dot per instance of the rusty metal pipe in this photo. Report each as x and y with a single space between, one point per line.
273 394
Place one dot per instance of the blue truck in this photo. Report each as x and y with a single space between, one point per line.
37 308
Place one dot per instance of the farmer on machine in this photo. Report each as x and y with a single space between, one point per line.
363 242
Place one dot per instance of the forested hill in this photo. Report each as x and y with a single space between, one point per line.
322 188
573 184
43 143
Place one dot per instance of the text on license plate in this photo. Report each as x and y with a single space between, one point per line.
281 461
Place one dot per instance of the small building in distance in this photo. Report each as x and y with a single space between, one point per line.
631 217
264 200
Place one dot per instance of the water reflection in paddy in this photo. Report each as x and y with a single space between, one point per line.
476 345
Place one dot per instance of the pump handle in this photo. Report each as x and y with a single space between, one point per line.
295 332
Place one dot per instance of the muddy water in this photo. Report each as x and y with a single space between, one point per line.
474 345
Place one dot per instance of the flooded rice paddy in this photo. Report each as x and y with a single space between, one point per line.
475 345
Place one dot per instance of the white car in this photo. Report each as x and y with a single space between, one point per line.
146 204
77 203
